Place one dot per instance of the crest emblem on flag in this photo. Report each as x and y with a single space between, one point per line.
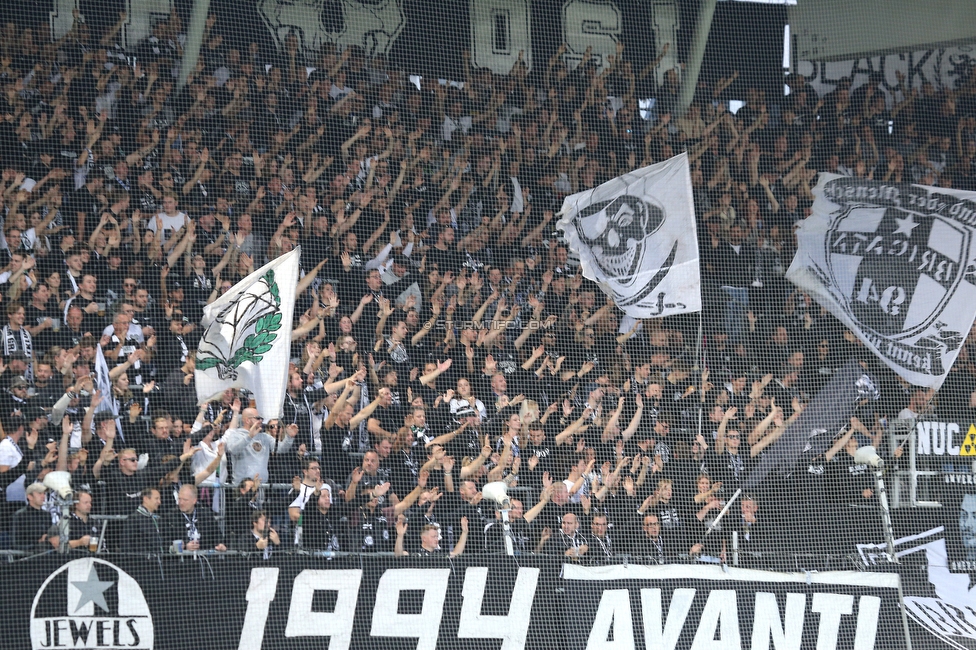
899 255
246 340
893 263
248 326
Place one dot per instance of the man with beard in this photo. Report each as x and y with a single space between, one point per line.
381 416
82 528
46 391
423 438
369 482
322 528
372 518
468 503
298 408
146 316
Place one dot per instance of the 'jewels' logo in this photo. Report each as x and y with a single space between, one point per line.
90 603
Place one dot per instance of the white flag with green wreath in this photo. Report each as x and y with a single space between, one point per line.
246 340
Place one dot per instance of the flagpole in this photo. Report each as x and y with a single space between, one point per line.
728 505
701 369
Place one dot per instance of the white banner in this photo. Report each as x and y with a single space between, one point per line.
636 238
893 263
247 337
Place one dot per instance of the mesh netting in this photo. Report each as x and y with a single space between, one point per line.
618 324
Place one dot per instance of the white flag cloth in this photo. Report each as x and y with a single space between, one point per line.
103 382
246 340
894 262
636 238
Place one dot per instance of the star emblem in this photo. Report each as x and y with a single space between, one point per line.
905 226
92 591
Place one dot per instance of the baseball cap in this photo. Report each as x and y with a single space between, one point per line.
19 382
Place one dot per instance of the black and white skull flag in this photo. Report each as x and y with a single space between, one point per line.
895 263
636 238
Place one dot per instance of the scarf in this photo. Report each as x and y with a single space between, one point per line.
192 532
10 346
364 437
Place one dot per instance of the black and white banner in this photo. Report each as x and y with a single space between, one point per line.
636 238
695 606
936 551
893 262
471 603
948 448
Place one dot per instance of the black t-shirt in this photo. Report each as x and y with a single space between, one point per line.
552 515
446 260
547 463
315 250
495 537
848 480
91 322
196 291
321 532
373 528
730 469
68 338
29 525
122 492
390 418
79 528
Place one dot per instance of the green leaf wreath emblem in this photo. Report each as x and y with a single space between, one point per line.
244 330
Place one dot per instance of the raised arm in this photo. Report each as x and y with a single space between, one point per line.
462 538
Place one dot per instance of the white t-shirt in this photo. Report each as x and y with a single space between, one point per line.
202 459
173 224
305 493
10 456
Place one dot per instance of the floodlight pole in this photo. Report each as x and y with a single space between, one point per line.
507 532
64 523
194 39
695 55
889 534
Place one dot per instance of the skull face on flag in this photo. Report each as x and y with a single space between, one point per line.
616 232
636 239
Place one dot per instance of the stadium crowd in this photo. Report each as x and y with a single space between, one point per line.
444 336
